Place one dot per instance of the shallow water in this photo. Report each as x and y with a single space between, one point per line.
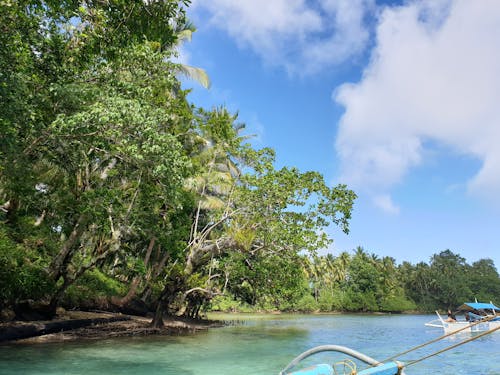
257 345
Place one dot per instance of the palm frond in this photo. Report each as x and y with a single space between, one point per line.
184 35
211 203
197 74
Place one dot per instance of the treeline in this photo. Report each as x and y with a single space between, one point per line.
117 192
364 282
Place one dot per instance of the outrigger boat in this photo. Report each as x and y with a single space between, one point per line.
472 317
389 366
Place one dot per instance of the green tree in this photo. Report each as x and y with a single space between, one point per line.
448 279
483 281
105 164
262 213
89 126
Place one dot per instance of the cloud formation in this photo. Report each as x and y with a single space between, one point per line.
431 79
303 36
433 76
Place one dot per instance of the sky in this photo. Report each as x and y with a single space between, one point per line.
400 100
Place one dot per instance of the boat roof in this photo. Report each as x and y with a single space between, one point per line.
469 306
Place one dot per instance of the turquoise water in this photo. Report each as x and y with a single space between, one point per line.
256 345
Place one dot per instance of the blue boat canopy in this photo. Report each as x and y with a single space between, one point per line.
469 306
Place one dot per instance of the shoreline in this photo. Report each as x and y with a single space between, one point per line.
86 325
83 325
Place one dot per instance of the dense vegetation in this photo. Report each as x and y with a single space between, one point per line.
112 182
117 192
364 282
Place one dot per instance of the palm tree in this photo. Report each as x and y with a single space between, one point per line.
362 254
220 174
342 265
184 33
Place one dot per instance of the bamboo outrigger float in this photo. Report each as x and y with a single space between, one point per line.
378 368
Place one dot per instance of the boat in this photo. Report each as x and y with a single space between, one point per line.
391 366
469 317
346 366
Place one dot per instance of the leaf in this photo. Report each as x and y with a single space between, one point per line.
211 203
184 35
197 74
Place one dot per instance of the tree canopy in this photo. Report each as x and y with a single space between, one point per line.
109 173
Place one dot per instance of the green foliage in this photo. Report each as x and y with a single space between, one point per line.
101 155
94 288
229 304
326 301
291 208
448 271
397 304
307 304
22 273
443 284
364 282
338 301
90 112
270 282
360 301
448 281
483 281
364 276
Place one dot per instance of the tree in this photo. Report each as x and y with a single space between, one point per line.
262 213
92 111
483 281
449 281
105 164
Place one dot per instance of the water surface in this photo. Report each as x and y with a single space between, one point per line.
257 345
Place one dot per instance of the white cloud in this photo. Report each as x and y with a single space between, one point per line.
433 75
302 36
385 203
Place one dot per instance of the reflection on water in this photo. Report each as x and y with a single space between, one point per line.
257 344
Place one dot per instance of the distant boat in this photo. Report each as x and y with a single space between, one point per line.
469 317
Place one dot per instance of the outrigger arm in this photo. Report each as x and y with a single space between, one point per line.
390 368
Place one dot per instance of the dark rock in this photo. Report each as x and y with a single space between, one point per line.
30 310
7 315
135 307
17 332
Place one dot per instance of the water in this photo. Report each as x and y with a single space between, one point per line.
257 345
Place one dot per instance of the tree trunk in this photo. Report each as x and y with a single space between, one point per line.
11 210
137 279
56 298
131 292
157 321
167 297
198 254
58 266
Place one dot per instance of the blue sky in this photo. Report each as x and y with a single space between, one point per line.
400 100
